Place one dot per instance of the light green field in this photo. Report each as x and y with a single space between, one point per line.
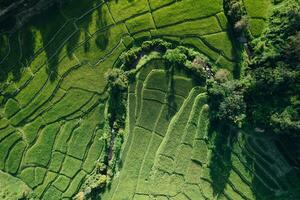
258 11
53 96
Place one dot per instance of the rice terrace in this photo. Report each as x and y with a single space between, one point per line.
150 99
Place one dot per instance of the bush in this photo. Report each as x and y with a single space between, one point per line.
175 57
287 121
236 13
117 79
222 75
227 102
284 24
233 109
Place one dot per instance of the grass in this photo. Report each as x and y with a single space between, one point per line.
223 20
124 9
256 26
52 193
26 95
70 166
28 176
15 156
190 28
39 175
40 152
140 23
94 153
62 183
12 187
49 178
81 137
61 143
74 185
186 10
50 126
67 105
38 101
56 161
255 11
156 4
222 42
7 144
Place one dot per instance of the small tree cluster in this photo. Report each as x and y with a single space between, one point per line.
227 102
237 15
130 57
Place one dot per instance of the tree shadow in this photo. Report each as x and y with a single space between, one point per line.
55 35
16 52
266 182
237 49
102 38
172 106
223 138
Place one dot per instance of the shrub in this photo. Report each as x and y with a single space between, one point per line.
287 121
117 79
227 102
233 109
222 75
175 57
236 13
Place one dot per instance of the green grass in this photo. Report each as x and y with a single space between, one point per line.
70 166
256 26
50 128
11 108
49 178
7 144
124 9
14 159
62 183
63 136
52 193
39 175
223 20
140 23
82 136
28 176
26 95
12 187
156 4
186 10
31 130
40 152
56 161
67 105
222 42
73 188
253 10
190 28
94 153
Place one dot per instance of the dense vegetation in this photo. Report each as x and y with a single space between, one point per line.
150 100
270 87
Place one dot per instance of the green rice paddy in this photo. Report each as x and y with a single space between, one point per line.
53 96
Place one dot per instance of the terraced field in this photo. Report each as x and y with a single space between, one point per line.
173 152
257 14
53 97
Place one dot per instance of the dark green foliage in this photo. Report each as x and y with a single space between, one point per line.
227 102
283 24
269 95
236 14
175 57
130 57
273 98
117 80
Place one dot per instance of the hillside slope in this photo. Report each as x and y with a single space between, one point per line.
54 99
